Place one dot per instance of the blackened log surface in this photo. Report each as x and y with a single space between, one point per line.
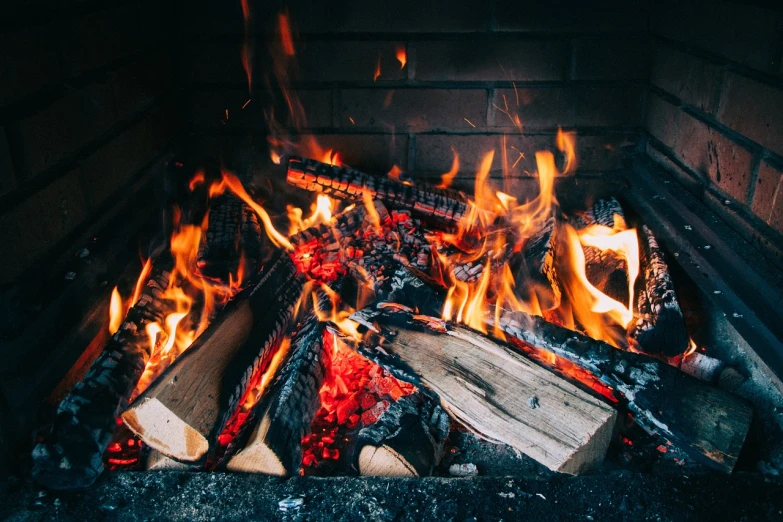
415 427
601 213
86 417
661 326
539 259
233 231
445 206
708 423
286 411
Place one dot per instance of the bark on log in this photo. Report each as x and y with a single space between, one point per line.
233 232
182 412
491 388
407 441
707 422
443 206
661 326
73 456
286 410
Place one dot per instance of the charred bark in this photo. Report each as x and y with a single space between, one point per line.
407 441
234 233
72 457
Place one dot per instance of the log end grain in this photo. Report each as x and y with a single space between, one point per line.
164 431
384 461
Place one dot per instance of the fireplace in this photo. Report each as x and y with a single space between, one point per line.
480 246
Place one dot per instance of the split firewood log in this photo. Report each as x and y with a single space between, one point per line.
407 441
157 461
182 412
286 410
491 388
443 206
72 457
705 421
233 233
661 326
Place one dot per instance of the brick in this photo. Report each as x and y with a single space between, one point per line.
608 58
29 61
691 79
325 61
96 39
604 153
661 119
7 176
138 84
766 191
742 33
372 153
542 108
567 16
713 155
112 166
754 110
434 153
483 60
609 106
215 62
36 225
414 109
60 129
401 16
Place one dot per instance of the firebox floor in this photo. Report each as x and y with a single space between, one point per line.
622 495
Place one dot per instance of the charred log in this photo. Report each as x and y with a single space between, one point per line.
73 456
182 412
407 441
661 326
538 272
234 233
439 205
284 414
707 422
491 388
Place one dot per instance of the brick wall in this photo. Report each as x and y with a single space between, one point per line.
86 101
560 64
714 109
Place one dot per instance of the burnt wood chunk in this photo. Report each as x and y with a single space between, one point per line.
407 441
660 328
707 422
490 388
183 411
233 233
538 275
73 456
440 205
285 412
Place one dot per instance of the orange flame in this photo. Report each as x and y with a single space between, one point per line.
145 272
286 40
247 48
401 56
115 311
377 72
566 143
447 177
321 213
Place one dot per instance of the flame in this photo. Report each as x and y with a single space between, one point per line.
196 180
448 177
566 143
401 56
372 211
235 186
321 213
115 311
145 272
377 72
247 48
284 27
624 243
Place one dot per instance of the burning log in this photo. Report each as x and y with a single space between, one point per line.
86 417
490 388
285 412
444 206
234 233
539 259
661 327
183 410
707 422
605 270
407 441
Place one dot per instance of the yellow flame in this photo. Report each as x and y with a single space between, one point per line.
115 311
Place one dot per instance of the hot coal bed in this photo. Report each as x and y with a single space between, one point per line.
392 261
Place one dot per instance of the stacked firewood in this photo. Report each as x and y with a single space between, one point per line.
381 402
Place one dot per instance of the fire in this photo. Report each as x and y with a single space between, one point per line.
321 212
115 311
566 143
448 177
377 72
284 27
402 56
247 48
